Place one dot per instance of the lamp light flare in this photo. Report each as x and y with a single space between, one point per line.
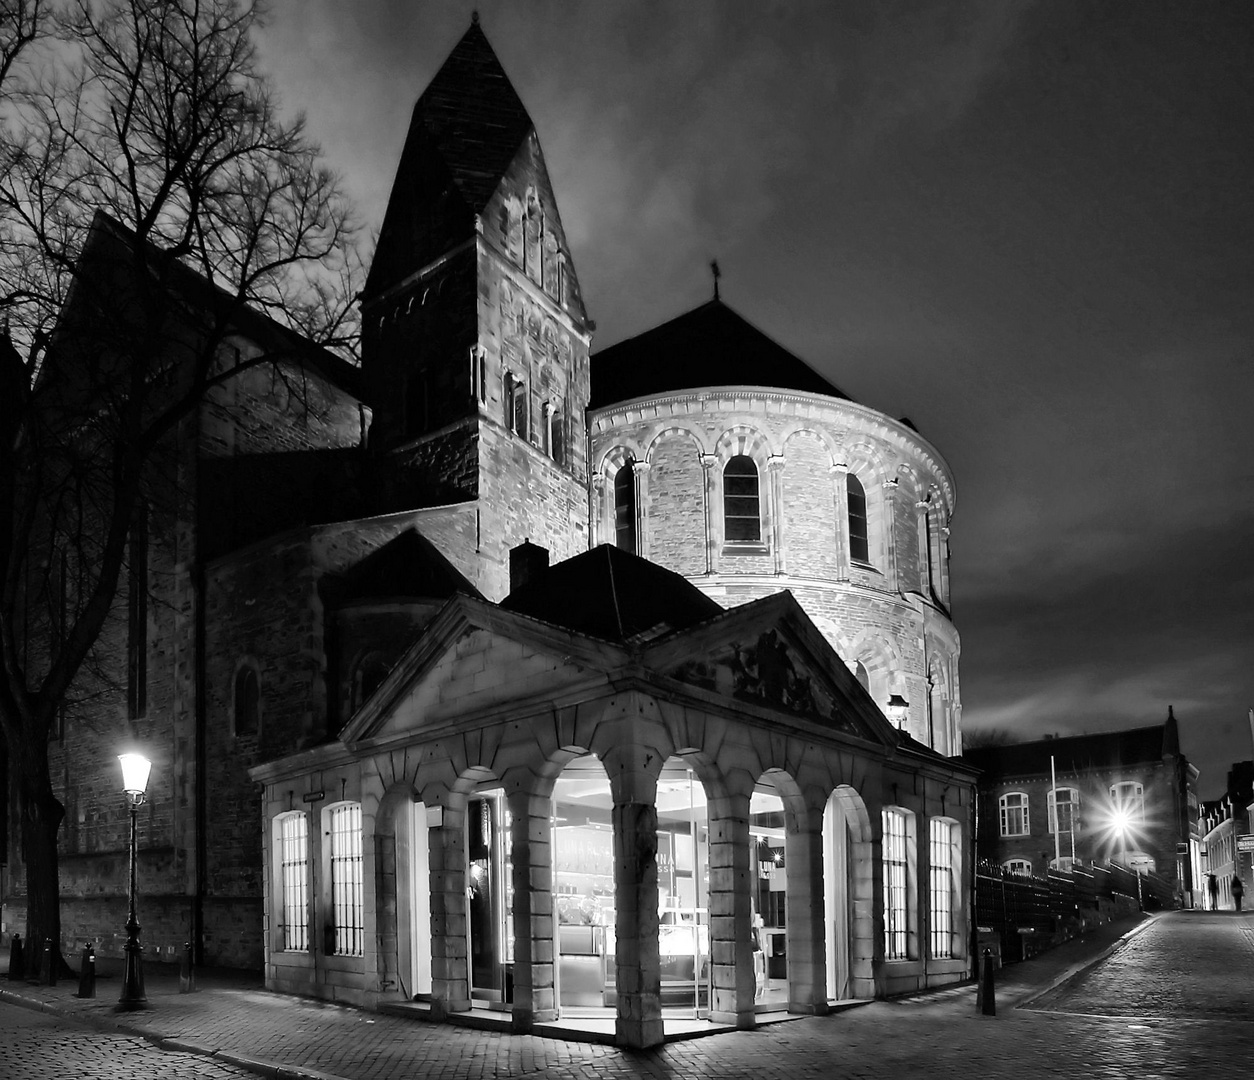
135 770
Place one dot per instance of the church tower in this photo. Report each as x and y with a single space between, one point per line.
475 345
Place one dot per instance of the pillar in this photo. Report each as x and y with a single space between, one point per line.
531 854
840 495
640 477
731 913
637 971
450 963
710 492
807 942
775 470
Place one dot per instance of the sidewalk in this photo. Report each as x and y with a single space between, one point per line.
232 1018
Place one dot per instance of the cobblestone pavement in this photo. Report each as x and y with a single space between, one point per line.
43 1046
1171 1000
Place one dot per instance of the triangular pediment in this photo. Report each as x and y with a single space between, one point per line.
476 660
768 655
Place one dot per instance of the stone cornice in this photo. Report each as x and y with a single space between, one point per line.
832 412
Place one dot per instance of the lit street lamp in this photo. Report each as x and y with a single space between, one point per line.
898 710
135 769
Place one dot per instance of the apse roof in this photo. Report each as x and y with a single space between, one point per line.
614 595
709 346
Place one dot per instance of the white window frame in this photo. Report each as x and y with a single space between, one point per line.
1005 809
1018 866
291 838
1052 803
1133 806
898 856
347 878
944 869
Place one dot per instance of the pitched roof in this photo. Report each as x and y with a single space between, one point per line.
1076 753
407 566
466 129
613 595
708 346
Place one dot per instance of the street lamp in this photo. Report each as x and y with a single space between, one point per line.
135 769
898 710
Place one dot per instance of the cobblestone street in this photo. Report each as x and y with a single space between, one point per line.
1173 999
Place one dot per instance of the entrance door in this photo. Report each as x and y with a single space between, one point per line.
683 877
491 899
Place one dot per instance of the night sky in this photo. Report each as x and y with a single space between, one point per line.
1027 227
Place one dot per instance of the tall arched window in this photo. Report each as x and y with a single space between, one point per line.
742 521
625 507
247 702
859 548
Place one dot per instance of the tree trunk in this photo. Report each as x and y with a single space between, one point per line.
41 813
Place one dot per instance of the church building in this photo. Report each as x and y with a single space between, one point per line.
525 681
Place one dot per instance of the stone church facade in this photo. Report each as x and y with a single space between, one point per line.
515 678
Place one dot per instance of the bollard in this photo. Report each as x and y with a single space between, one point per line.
48 969
989 1004
17 960
187 973
87 976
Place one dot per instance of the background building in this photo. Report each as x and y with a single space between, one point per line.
1123 797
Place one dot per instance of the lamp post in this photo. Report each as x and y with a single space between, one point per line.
135 769
898 710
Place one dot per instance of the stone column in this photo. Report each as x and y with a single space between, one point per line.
731 913
775 468
890 533
640 477
807 943
531 856
596 511
708 463
450 972
840 495
637 969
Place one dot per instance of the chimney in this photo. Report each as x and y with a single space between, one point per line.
527 562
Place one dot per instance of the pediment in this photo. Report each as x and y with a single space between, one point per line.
785 667
469 669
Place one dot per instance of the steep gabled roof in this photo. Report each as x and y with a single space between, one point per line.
408 566
611 594
465 131
708 346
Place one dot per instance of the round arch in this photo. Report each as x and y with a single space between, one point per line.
848 903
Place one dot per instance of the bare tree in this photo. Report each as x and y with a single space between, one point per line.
151 198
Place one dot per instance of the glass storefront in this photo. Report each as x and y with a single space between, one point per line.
490 894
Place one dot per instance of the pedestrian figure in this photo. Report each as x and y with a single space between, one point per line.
1212 887
1238 890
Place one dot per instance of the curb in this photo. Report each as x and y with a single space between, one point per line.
1079 969
167 1043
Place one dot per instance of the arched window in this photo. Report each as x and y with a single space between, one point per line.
859 547
1063 804
1128 799
292 841
944 886
899 891
860 673
625 507
1014 813
1017 866
368 676
346 929
247 702
742 521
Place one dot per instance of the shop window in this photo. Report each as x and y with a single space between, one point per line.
1128 799
742 520
625 507
293 842
944 867
1017 866
898 894
859 545
247 702
346 935
1013 807
1063 805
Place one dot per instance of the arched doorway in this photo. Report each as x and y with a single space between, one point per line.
403 912
847 875
489 909
768 870
583 886
683 885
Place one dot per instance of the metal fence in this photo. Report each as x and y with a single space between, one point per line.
1028 914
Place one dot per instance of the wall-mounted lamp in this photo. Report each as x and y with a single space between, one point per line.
898 709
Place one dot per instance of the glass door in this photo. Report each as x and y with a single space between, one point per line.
490 904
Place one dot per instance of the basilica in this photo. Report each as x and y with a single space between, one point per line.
502 677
